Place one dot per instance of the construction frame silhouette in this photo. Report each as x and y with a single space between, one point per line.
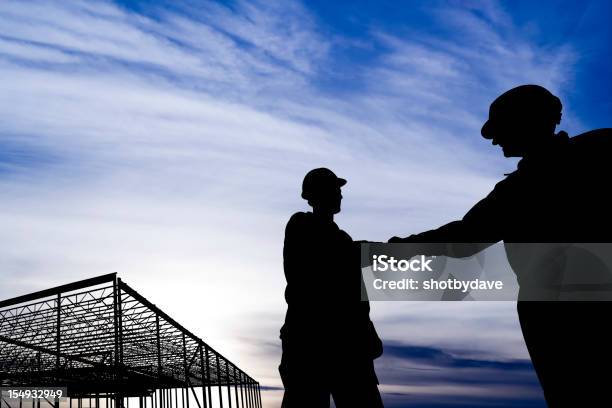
108 345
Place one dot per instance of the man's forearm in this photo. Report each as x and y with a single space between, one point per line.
456 239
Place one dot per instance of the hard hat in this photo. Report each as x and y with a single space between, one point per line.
526 101
320 180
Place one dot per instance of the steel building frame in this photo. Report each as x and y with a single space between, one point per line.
106 343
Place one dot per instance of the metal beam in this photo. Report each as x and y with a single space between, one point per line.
111 342
59 289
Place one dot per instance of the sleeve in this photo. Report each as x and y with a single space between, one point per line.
484 222
482 226
303 259
295 257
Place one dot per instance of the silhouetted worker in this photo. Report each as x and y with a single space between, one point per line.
560 193
329 342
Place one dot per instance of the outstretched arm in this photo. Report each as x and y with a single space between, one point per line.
480 228
448 240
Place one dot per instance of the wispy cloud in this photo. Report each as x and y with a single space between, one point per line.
168 142
427 376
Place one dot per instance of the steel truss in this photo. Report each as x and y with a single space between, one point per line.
109 345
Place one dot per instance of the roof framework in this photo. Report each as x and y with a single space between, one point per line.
99 337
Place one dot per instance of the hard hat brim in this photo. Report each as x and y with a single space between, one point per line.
487 130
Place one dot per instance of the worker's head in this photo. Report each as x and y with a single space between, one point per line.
522 119
321 188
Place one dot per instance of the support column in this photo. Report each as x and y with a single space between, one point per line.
219 381
58 337
229 387
209 386
236 385
250 391
205 403
242 388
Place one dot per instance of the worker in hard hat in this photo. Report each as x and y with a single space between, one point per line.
329 342
557 195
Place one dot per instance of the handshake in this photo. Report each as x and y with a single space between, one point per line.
392 240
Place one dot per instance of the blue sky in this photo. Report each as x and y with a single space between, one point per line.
167 141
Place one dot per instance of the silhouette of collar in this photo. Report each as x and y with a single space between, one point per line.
548 155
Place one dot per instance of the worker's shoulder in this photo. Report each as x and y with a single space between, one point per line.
594 142
300 217
299 220
595 133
